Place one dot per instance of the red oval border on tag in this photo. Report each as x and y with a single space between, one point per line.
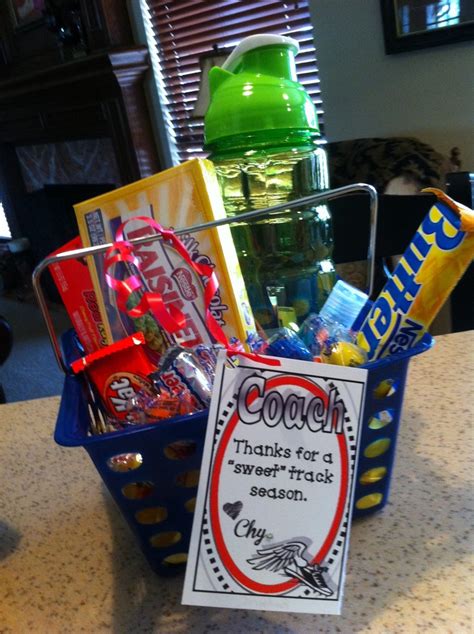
227 560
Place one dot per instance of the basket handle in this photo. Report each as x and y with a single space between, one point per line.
321 197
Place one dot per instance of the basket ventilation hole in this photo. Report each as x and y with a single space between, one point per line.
152 515
385 388
373 475
123 462
188 479
377 448
368 501
138 490
175 560
180 450
190 505
163 540
381 419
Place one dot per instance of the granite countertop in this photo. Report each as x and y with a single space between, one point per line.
68 562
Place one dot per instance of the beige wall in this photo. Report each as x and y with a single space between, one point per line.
428 93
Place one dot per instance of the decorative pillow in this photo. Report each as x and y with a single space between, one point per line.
378 161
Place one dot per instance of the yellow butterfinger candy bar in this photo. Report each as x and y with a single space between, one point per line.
441 250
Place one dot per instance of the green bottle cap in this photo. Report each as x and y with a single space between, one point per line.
257 90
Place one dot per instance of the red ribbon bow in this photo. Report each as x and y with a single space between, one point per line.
168 316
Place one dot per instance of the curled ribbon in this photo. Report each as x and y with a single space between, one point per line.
168 316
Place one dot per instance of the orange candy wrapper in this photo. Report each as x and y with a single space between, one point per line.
118 372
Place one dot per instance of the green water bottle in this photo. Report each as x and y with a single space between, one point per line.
261 129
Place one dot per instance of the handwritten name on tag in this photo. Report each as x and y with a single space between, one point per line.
275 495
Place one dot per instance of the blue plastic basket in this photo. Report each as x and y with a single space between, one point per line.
157 498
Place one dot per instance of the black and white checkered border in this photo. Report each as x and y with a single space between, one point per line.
208 542
226 414
349 432
212 555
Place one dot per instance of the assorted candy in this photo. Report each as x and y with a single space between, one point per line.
145 393
286 343
344 353
117 373
180 372
133 390
146 408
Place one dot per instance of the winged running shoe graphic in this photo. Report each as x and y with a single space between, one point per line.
291 558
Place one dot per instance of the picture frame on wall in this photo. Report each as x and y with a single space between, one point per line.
416 24
26 13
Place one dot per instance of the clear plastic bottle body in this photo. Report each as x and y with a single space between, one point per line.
285 259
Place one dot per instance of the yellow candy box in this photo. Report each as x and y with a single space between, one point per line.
179 197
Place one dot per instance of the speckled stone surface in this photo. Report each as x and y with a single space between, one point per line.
68 562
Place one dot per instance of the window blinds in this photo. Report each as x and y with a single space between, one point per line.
185 30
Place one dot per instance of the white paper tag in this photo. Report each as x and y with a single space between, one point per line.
274 504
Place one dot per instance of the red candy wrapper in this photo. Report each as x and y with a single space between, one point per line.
75 286
114 385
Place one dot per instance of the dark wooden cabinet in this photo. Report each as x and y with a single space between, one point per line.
49 100
100 95
105 24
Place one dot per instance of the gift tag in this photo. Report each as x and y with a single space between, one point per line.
273 512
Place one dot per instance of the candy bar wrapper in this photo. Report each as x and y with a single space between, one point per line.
74 283
118 372
343 353
434 261
181 371
144 408
286 343
318 333
178 197
207 357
